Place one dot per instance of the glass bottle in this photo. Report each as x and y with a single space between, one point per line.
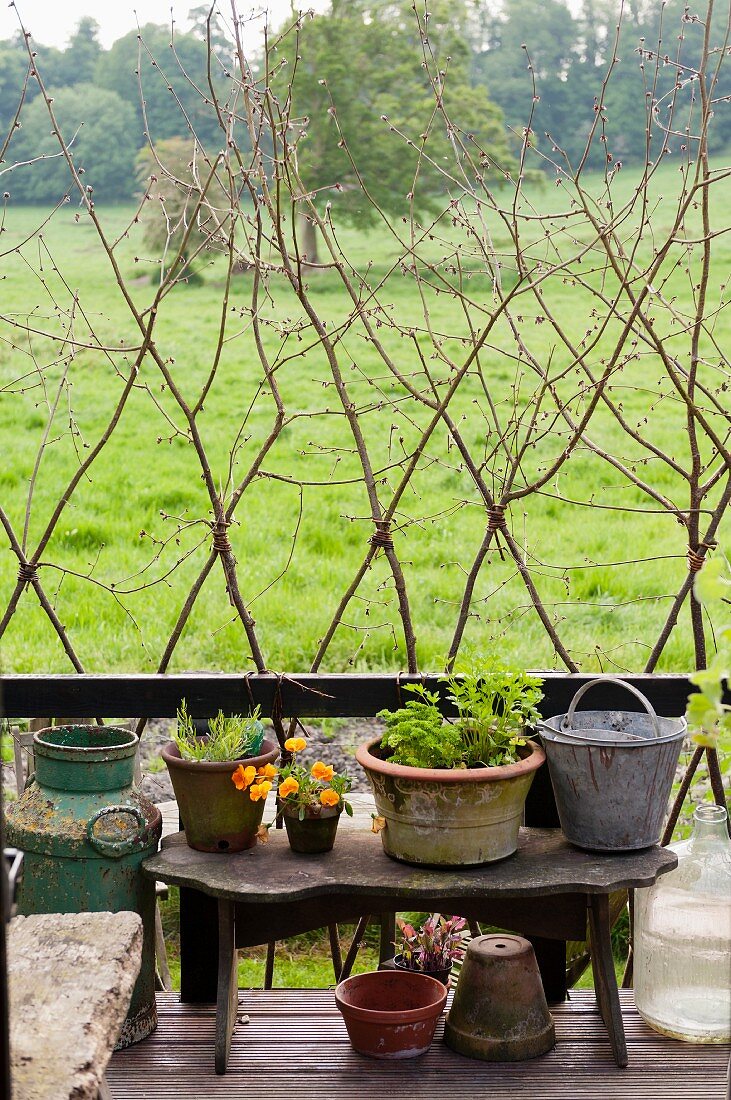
682 971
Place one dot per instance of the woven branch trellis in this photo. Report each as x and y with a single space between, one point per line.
510 430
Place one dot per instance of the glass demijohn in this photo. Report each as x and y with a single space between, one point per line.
682 972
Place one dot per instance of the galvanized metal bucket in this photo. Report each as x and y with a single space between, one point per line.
612 771
85 831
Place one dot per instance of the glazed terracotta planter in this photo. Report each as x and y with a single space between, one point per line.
216 816
460 817
315 832
391 1013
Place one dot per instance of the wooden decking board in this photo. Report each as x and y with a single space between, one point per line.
295 1045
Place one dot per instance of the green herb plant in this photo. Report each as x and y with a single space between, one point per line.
494 703
417 735
230 737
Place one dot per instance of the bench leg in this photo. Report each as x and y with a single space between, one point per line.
605 981
198 954
227 1001
104 1093
388 935
551 959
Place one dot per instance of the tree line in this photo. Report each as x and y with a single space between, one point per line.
361 71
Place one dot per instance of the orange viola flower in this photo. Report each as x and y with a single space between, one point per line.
244 777
259 790
289 786
295 744
329 797
322 771
267 772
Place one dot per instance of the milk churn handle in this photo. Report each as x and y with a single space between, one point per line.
567 723
115 848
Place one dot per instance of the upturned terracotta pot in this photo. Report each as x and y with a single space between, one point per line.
216 816
315 833
391 1013
443 817
499 1012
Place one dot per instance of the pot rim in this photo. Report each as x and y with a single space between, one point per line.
171 755
530 763
327 813
398 960
392 1017
127 739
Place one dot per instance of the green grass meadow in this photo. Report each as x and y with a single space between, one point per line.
605 560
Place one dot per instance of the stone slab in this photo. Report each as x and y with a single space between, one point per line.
71 978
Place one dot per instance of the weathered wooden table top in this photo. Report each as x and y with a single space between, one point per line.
545 863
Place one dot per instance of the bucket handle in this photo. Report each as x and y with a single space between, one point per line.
568 719
115 848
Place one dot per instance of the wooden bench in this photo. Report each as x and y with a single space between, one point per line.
70 981
546 889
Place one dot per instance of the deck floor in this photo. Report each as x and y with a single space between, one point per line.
295 1046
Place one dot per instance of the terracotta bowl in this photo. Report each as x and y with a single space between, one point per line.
391 1013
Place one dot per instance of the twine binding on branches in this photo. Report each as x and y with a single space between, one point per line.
496 517
27 572
220 536
697 557
382 535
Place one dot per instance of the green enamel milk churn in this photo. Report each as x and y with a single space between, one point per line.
85 831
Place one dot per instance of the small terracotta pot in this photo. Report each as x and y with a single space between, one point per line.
314 833
391 1013
216 816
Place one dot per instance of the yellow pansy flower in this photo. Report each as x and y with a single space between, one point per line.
244 777
329 797
322 771
289 786
295 744
259 790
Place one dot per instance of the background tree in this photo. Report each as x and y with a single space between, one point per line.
171 80
99 126
173 190
571 50
361 73
78 62
13 72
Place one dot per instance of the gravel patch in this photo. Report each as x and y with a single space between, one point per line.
333 742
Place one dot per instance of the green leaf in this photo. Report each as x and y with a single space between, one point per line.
710 583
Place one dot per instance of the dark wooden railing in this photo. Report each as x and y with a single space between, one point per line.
348 695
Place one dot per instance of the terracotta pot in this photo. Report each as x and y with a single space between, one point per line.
499 1012
442 817
391 1013
216 816
315 832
